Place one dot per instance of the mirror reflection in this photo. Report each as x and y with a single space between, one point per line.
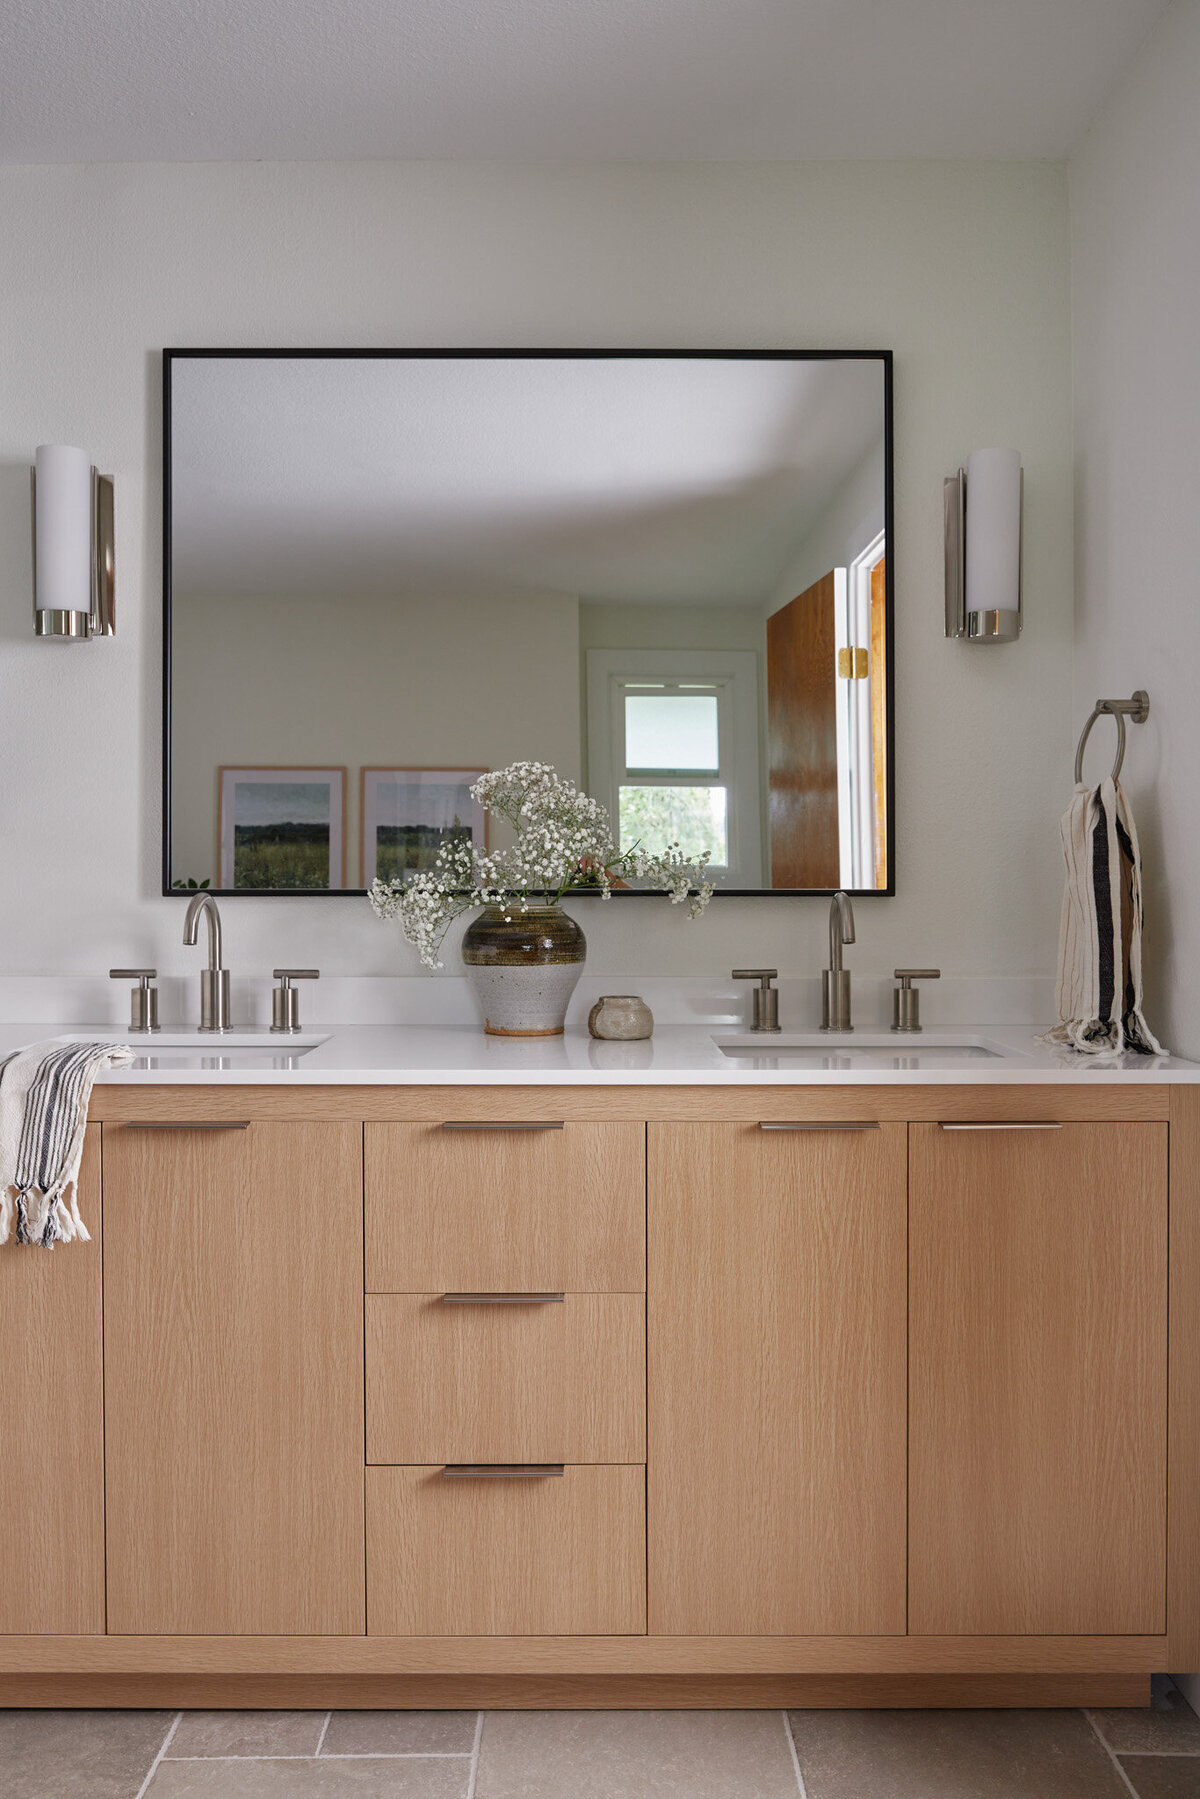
668 575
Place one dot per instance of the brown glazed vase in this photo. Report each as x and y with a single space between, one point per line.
524 965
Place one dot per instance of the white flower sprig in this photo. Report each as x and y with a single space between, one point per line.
563 843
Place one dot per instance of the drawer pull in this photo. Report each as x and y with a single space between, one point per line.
503 1299
503 1470
504 1124
188 1124
823 1124
1007 1125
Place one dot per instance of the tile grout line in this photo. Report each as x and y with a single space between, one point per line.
349 1755
474 1776
1179 1755
1107 1748
321 1738
152 1770
791 1742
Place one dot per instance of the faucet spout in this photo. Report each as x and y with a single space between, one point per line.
204 902
214 981
835 982
841 928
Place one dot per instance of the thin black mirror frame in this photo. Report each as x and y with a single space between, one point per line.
883 357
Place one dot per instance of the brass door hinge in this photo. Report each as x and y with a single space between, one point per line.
852 665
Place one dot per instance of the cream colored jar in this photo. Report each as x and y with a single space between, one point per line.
621 1017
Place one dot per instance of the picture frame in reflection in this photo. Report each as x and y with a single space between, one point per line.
282 830
409 813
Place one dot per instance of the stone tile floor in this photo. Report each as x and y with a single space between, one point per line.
1150 1754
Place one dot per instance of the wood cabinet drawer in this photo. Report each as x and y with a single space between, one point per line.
509 1382
505 1210
558 1556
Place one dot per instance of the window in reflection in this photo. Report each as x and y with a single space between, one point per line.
692 817
672 729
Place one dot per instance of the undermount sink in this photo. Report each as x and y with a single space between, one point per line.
187 1045
868 1049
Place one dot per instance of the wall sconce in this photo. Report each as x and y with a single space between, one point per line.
73 561
983 548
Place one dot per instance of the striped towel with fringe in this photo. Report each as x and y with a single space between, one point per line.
1100 942
44 1095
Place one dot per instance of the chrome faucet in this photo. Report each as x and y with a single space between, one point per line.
214 980
835 981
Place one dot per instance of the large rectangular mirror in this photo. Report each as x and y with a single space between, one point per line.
669 574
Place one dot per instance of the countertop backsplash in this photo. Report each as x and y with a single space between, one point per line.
953 1001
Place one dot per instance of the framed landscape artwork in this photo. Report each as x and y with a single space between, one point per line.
282 830
408 813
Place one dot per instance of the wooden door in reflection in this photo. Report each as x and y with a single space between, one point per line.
802 732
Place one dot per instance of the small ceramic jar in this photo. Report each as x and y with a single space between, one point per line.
621 1016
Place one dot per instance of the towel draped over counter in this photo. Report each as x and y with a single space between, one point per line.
44 1095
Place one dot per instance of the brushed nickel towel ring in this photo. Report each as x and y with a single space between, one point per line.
1137 708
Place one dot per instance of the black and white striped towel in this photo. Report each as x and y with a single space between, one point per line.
44 1095
1100 943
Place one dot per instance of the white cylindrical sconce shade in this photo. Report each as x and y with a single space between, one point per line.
63 529
994 531
72 545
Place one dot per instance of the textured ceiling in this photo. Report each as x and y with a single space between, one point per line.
201 80
616 478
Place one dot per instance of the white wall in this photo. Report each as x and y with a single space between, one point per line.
960 268
853 519
1135 210
364 683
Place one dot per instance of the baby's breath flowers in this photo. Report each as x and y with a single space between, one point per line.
563 844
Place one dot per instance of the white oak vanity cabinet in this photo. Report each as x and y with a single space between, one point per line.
611 1396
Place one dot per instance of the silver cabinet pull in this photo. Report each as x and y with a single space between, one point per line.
823 1124
503 1299
503 1470
505 1124
187 1124
1006 1125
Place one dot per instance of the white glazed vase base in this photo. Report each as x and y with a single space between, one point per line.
526 1002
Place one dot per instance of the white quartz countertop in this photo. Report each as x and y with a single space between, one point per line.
677 1055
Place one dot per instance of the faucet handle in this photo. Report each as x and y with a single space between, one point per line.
906 999
285 1000
143 999
766 999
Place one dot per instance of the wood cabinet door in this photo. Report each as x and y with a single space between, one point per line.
233 1379
776 1347
1038 1403
52 1427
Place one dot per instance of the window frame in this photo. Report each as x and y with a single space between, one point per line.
611 674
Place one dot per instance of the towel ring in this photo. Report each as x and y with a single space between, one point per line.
1137 708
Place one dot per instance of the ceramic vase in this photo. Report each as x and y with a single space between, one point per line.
524 964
